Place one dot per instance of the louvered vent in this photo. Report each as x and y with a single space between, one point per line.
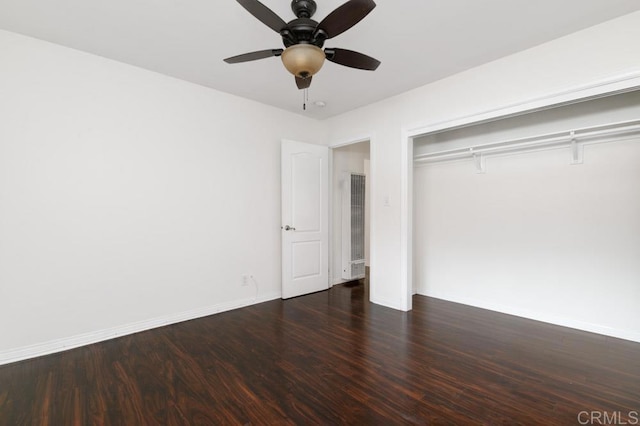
357 217
353 227
357 270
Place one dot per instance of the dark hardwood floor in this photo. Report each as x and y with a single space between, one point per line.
332 358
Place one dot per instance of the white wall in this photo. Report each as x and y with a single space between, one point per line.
128 198
606 52
535 236
351 158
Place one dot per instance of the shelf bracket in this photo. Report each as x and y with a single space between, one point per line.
478 160
577 150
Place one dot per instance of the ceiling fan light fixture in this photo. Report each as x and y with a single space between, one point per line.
303 60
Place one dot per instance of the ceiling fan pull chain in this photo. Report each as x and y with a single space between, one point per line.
305 99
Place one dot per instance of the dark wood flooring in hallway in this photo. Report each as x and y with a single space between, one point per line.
332 358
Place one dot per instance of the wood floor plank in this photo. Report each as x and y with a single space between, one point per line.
331 358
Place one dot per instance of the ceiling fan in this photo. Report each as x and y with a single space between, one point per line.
303 38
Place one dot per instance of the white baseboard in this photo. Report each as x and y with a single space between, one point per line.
393 304
631 335
60 345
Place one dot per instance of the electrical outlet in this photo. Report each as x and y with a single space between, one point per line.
245 280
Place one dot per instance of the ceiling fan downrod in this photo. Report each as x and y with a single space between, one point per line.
303 8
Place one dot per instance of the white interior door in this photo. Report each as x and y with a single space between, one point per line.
305 218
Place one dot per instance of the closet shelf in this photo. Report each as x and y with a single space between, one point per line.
594 134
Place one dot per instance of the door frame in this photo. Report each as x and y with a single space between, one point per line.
626 82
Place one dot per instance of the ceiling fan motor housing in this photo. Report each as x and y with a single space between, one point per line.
303 29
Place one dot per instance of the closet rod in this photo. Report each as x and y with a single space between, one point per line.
550 139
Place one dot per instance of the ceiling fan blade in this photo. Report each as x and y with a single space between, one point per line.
303 83
352 59
263 14
253 56
345 17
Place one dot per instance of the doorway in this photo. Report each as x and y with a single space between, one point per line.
348 160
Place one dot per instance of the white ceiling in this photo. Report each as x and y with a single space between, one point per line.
418 41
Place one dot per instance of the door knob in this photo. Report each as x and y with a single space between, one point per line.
288 228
